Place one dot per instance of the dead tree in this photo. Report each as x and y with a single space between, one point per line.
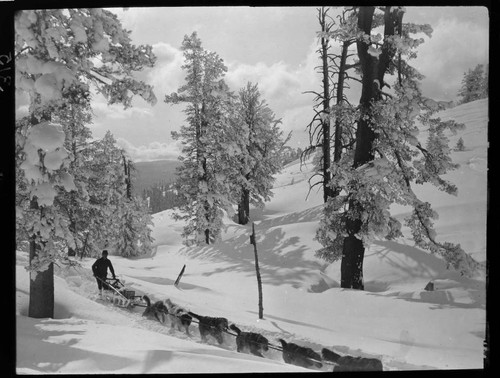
334 70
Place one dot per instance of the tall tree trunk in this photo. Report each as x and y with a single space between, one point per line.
327 190
337 144
373 70
72 195
41 303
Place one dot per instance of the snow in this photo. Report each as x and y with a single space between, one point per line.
393 319
45 193
46 135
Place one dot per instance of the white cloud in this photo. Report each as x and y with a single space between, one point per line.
280 84
116 112
167 75
455 47
153 151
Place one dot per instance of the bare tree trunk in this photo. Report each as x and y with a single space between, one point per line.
327 191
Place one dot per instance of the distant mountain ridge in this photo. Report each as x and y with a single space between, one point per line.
149 173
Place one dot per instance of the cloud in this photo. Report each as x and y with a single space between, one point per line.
167 75
116 111
280 84
455 47
153 151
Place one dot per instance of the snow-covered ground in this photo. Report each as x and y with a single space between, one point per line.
394 319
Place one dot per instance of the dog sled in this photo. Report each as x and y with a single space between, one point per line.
115 292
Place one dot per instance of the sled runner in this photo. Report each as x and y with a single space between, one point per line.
116 293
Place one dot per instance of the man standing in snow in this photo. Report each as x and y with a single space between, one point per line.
100 270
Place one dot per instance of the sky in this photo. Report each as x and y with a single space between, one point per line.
274 47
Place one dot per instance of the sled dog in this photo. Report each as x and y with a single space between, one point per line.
178 316
351 363
211 326
301 356
251 342
154 311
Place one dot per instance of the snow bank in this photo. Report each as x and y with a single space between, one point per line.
394 319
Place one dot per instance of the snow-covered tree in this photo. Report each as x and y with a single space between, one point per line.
133 220
74 116
485 85
208 145
474 85
460 145
55 50
260 158
161 196
388 156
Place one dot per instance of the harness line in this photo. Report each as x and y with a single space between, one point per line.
193 320
270 345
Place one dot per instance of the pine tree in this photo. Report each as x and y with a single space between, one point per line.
460 145
335 109
74 116
485 84
207 145
474 85
162 196
57 49
133 235
260 158
319 128
388 157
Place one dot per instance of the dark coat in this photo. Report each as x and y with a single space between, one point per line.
100 268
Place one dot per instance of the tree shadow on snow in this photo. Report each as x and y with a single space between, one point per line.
308 215
427 267
276 265
286 320
169 282
50 357
281 257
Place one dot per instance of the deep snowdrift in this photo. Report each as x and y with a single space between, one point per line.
394 319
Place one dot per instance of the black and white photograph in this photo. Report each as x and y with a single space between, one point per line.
249 189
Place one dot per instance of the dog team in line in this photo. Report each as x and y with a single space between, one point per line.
251 342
